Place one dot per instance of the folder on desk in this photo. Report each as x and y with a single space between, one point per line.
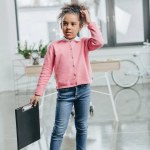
27 125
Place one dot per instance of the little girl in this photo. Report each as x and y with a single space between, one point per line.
69 58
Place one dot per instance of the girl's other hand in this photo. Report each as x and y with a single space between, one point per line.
34 100
85 14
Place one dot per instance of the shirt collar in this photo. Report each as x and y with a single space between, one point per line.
75 39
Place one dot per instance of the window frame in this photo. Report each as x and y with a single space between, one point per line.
111 29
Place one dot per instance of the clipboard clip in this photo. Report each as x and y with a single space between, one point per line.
27 107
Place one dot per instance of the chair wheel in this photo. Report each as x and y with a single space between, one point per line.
72 113
91 110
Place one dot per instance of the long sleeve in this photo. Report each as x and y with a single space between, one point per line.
96 40
46 72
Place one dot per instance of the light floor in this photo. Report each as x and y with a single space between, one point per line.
132 132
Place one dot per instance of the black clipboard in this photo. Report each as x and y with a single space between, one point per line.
27 125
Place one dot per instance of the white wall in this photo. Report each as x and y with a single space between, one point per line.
8 42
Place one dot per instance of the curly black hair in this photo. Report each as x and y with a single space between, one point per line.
74 8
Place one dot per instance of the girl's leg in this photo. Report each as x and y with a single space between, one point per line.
65 99
82 105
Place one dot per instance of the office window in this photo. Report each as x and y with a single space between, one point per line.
129 21
34 24
123 22
37 21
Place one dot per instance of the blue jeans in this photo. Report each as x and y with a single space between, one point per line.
78 96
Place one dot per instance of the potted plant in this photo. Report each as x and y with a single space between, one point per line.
25 50
42 49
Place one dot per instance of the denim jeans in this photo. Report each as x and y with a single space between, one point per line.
79 97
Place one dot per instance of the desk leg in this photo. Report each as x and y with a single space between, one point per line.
111 97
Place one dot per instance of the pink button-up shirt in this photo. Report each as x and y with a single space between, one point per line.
70 61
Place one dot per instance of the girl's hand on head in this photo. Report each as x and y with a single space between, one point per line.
86 16
34 100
